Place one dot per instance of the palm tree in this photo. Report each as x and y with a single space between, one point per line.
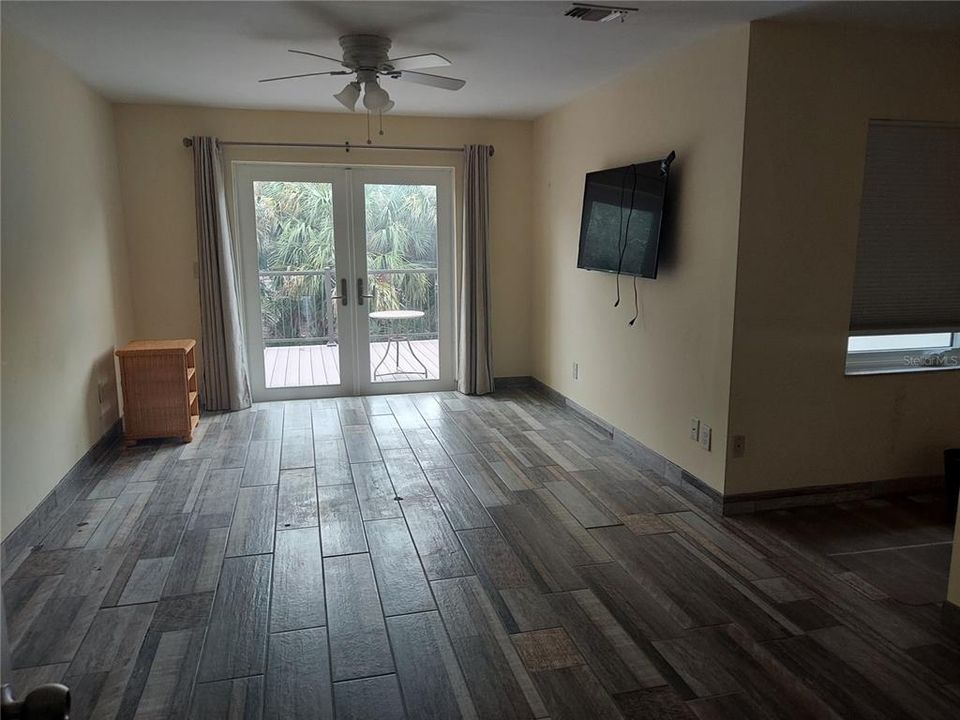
295 233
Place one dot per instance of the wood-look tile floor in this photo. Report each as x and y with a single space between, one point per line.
437 556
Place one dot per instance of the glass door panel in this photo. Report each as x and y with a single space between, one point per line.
298 279
405 223
294 316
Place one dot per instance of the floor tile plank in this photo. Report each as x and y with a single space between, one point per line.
254 521
376 698
296 450
433 685
196 565
263 463
406 474
361 444
437 543
358 636
111 648
237 638
298 676
459 502
341 527
240 699
166 665
400 579
498 683
216 499
297 499
388 433
333 465
572 693
587 512
375 491
427 448
297 599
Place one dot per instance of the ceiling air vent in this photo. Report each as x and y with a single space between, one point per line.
598 13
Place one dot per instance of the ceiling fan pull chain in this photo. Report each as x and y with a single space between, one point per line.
381 122
369 141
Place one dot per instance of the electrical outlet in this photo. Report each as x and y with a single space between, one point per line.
706 436
104 401
576 371
695 429
738 446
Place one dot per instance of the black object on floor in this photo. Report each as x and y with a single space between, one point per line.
951 475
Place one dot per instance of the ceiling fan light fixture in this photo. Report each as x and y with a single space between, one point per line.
349 95
374 97
388 107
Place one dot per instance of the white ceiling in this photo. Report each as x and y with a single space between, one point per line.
520 59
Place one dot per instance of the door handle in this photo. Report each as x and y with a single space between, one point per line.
342 297
361 295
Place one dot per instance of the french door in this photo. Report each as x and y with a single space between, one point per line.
347 278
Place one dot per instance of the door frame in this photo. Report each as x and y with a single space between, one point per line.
350 258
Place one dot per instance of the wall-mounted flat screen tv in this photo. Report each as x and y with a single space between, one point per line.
622 218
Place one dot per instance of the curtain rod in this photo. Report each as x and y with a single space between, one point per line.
188 142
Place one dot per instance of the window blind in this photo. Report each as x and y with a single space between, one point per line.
908 255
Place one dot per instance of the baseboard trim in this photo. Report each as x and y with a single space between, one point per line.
650 461
950 617
716 502
513 381
48 512
814 495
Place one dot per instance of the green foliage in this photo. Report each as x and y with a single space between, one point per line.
295 233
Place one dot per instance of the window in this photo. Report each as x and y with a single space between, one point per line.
905 314
871 354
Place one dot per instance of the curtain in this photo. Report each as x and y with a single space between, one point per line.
224 383
475 368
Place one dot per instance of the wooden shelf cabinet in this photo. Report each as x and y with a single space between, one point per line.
160 394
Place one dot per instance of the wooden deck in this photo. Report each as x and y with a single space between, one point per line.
309 365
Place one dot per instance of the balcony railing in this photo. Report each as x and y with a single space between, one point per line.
297 306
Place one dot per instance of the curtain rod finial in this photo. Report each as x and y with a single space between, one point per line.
491 150
188 142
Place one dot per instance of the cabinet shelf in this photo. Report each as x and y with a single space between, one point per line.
160 395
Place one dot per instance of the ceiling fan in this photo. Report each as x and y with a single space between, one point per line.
367 57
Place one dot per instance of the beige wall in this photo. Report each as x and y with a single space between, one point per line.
674 364
158 200
65 294
811 91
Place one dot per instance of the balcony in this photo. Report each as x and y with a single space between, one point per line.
300 333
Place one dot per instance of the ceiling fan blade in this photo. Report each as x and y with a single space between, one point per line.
437 81
418 62
303 75
322 57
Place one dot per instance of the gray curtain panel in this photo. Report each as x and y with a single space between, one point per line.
223 383
475 366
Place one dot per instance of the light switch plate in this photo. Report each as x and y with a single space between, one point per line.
695 429
706 436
